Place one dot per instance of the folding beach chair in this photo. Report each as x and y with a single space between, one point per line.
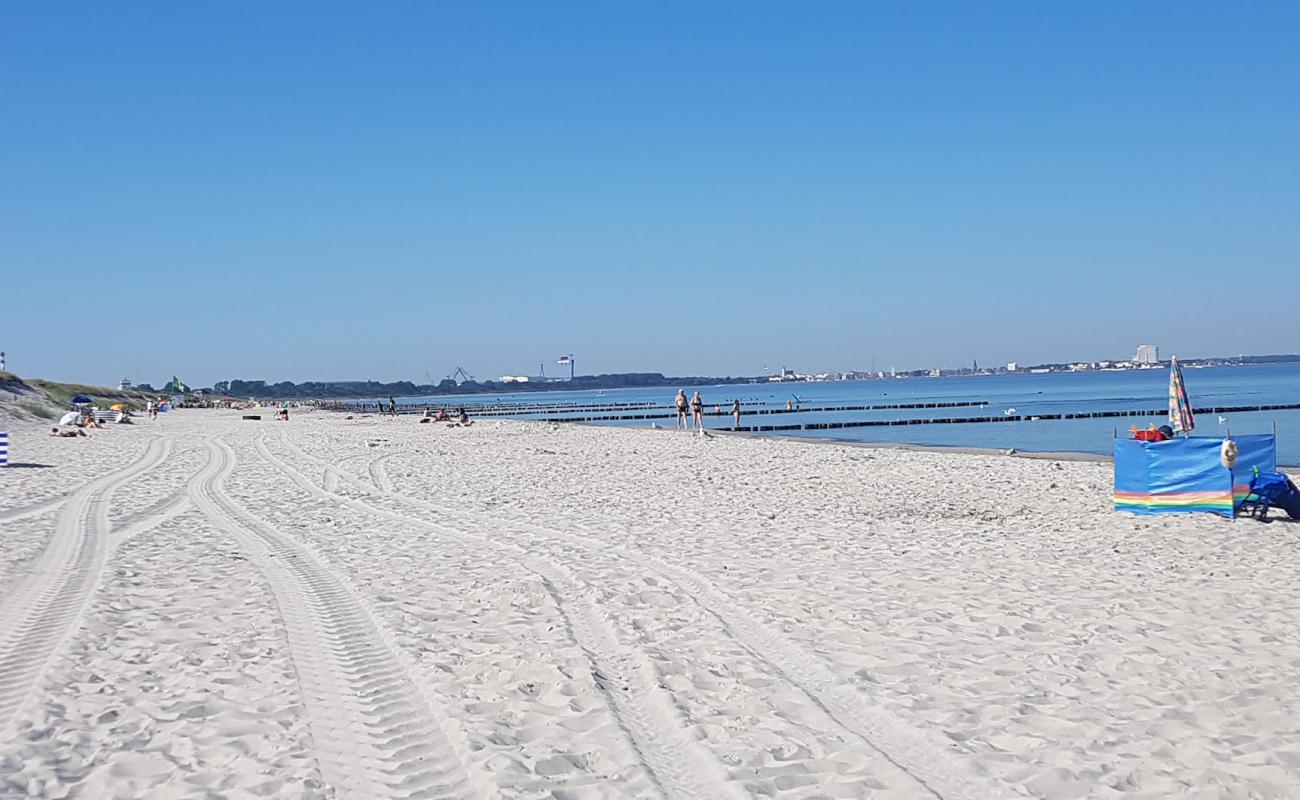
1269 490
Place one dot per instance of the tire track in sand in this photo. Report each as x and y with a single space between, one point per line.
34 509
680 767
38 611
914 751
376 734
379 474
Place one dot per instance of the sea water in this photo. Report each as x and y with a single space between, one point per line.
1027 394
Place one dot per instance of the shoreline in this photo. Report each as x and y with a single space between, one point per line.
1046 455
929 448
1043 455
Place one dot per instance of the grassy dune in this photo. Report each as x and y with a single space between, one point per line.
62 394
44 399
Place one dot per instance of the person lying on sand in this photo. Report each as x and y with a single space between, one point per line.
66 434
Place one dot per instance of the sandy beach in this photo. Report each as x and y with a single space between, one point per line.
202 606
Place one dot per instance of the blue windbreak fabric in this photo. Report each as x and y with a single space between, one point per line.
1255 450
1178 476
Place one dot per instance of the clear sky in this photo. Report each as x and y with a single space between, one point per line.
286 191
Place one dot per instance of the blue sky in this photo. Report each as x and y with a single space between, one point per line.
341 191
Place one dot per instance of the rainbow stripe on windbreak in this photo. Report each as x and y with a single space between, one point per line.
1216 502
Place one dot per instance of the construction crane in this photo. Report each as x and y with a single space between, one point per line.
460 376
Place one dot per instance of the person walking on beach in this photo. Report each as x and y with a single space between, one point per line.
735 413
392 406
681 409
697 411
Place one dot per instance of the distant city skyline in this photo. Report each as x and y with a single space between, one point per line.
459 375
301 192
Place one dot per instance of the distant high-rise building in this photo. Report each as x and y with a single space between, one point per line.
1147 354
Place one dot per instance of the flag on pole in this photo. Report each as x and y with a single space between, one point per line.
178 386
1180 408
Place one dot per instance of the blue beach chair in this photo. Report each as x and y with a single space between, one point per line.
1269 490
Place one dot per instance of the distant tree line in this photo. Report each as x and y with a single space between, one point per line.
1278 359
287 390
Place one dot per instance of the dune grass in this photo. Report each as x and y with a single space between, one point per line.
46 399
61 394
38 410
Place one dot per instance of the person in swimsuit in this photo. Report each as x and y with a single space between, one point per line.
681 409
697 411
735 413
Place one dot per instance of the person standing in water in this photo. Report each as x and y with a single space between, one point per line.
735 413
681 409
697 411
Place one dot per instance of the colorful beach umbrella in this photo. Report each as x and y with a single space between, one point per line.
1180 408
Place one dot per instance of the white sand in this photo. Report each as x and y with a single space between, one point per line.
207 607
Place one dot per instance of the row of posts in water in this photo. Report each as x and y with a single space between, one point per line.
649 412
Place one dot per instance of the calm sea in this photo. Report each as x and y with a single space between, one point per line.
1027 394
